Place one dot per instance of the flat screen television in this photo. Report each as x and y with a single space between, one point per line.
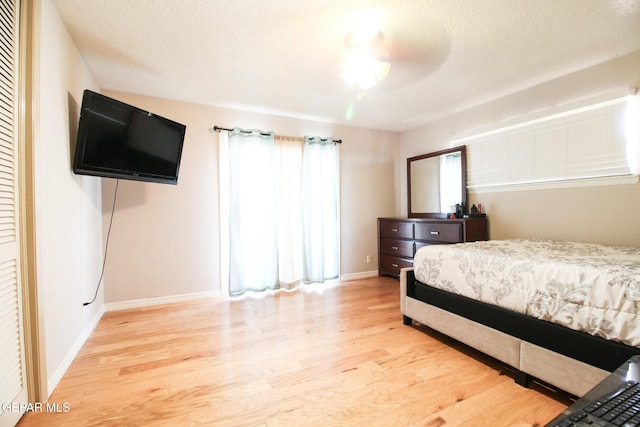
117 140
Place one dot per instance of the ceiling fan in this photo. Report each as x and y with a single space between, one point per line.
414 45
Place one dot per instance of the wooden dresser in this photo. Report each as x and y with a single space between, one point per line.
400 238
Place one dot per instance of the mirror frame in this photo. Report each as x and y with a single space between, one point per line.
463 196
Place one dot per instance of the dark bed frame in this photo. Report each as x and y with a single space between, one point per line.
595 351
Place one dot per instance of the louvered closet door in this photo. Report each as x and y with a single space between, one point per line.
13 386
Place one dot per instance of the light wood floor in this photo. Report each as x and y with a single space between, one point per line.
304 358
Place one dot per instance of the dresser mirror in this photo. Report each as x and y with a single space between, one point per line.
436 182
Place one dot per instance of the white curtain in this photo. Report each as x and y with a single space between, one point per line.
289 211
278 211
253 256
320 210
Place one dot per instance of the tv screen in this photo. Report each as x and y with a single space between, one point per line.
117 140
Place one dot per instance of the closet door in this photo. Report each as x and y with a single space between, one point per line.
13 389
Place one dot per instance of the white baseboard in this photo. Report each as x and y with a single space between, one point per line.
147 302
361 275
52 382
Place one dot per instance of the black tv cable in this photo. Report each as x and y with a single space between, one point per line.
106 246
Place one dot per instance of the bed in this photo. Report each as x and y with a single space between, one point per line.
565 313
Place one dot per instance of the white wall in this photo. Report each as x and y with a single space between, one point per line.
68 207
165 239
603 214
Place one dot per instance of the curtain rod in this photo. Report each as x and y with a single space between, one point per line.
218 129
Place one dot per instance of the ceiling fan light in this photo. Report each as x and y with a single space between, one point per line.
367 81
364 70
367 59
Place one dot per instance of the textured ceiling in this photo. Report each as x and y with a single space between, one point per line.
284 57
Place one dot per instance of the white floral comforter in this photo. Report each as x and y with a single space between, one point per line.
583 286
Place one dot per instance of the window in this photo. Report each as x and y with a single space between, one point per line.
579 144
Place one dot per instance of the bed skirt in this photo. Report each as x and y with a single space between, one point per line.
570 360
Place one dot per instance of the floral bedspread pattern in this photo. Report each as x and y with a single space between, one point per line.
583 286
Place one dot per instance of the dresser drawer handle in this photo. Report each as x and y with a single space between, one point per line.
395 265
395 230
435 233
395 248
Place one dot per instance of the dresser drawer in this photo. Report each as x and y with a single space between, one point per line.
402 248
439 232
392 265
396 229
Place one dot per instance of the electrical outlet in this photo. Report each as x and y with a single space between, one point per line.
368 259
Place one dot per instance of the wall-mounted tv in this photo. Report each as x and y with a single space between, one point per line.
117 140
